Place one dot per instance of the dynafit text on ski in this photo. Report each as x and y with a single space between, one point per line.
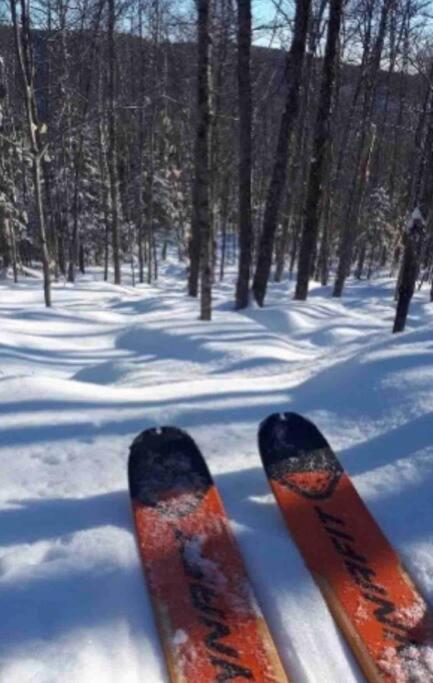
211 627
383 616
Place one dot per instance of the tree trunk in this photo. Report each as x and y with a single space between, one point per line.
349 229
413 239
364 152
151 262
224 222
323 259
278 180
283 243
201 191
308 244
194 258
361 260
104 196
245 151
13 251
26 69
81 259
412 248
5 242
112 141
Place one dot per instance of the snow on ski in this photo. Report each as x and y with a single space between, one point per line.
384 618
210 625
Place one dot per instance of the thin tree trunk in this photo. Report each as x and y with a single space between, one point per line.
149 221
245 152
324 251
283 242
139 176
363 158
74 241
413 238
106 250
201 194
105 196
349 229
194 258
26 69
224 221
112 142
412 248
14 251
81 259
5 241
294 249
361 260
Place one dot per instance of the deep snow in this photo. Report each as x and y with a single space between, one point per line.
79 381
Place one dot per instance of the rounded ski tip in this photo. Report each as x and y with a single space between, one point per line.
159 435
165 460
287 434
153 434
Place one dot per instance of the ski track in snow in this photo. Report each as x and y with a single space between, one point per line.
79 381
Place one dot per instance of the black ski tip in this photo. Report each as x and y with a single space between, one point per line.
164 460
285 435
297 456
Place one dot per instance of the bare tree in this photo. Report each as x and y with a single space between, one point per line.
35 128
414 234
201 211
277 183
245 143
320 146
112 141
365 144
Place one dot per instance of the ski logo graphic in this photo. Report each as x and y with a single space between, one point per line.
203 597
312 474
385 611
384 618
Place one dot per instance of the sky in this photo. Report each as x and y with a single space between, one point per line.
264 15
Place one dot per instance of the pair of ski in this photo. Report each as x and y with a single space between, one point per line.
211 627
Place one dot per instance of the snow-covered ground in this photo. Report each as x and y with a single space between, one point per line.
79 381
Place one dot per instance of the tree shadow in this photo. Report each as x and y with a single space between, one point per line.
390 446
365 385
31 520
215 409
47 607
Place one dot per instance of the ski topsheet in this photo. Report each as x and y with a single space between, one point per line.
374 602
209 622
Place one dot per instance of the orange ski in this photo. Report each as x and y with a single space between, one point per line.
210 626
374 602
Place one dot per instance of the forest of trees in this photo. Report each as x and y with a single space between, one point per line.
128 126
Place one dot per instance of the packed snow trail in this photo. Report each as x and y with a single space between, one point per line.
79 381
